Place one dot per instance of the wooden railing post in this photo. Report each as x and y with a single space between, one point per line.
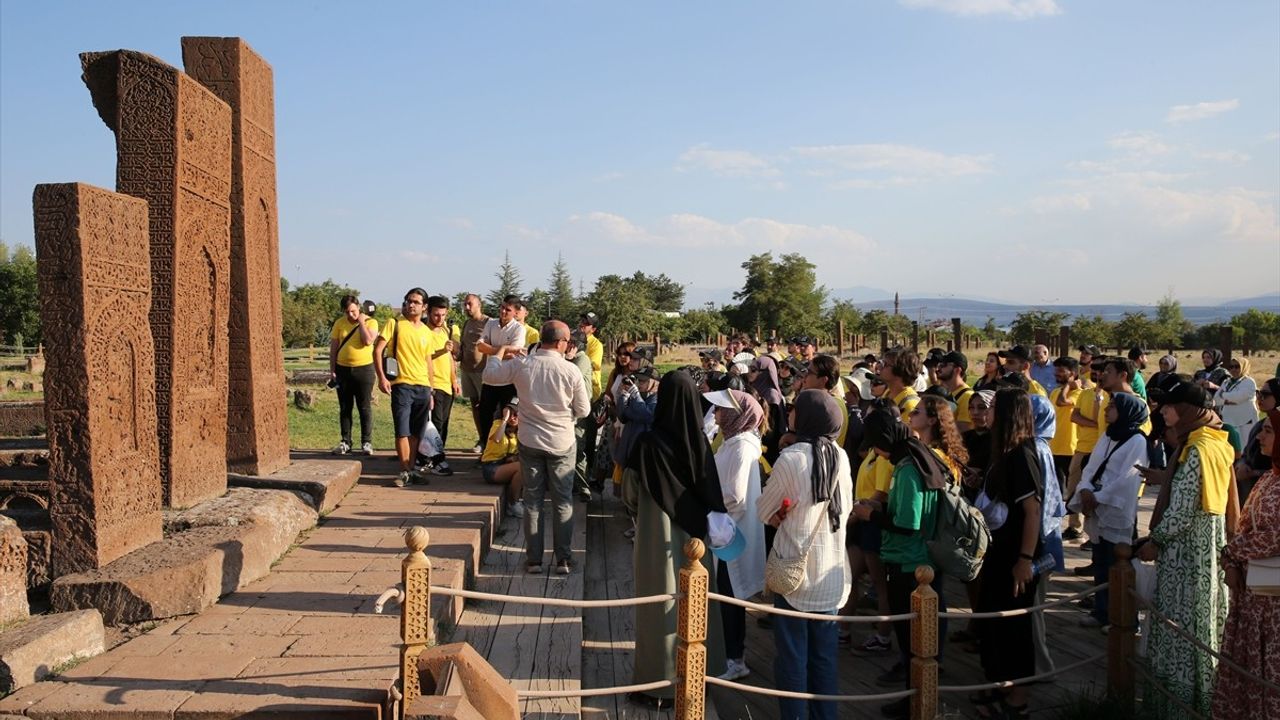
1122 614
691 628
415 611
924 646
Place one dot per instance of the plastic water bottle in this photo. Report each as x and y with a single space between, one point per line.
1045 563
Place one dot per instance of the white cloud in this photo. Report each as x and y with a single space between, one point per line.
725 163
1018 9
1140 145
417 256
1200 111
1271 137
1227 156
608 177
688 230
889 165
1060 203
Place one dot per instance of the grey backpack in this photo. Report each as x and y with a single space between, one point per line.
960 536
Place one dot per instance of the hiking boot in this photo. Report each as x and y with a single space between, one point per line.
404 478
366 449
441 468
342 448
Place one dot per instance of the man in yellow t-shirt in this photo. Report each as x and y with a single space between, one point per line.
351 371
531 334
445 384
1090 419
588 322
409 341
900 375
950 370
1017 359
1063 399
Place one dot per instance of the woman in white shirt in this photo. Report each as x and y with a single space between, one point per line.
738 416
813 477
1108 492
1236 398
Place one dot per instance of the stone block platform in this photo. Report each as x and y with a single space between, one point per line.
303 641
324 478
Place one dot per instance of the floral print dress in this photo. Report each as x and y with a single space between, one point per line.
1191 591
1253 628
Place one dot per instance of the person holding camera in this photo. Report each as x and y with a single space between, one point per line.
351 370
409 341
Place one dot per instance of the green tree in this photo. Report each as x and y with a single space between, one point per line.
508 284
1025 324
668 295
1259 329
781 294
19 296
992 332
308 311
1091 330
624 307
843 311
1133 328
563 304
538 302
702 326
1171 325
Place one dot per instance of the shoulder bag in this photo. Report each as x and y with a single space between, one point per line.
784 575
391 366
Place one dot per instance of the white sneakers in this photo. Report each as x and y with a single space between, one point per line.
735 669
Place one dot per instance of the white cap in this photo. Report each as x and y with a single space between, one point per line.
860 378
745 358
721 398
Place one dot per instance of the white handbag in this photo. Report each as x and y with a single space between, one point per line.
1264 576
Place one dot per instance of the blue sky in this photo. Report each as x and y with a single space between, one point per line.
1024 150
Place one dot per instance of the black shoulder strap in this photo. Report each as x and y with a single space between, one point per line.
348 337
395 338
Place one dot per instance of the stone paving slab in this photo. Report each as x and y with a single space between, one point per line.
301 642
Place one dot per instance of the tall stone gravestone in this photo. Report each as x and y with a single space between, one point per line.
173 146
100 398
257 428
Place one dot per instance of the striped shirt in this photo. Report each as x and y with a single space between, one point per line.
827 574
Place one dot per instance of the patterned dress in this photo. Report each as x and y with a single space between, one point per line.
1191 591
1253 628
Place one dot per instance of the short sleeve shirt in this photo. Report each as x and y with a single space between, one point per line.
498 336
1064 431
441 359
411 348
875 474
354 352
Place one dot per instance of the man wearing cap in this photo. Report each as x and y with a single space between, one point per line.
1138 357
712 360
950 370
587 324
553 395
771 348
1041 369
807 348
1087 354
1018 361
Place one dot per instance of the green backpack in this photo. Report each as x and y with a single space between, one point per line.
960 536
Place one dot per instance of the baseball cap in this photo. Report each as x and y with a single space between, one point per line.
589 318
860 378
648 371
713 353
956 358
1136 352
1017 351
1093 350
744 357
933 357
1185 390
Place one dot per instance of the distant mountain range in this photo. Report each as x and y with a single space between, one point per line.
976 311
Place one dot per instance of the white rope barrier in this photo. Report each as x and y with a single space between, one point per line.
1020 681
558 602
594 692
1023 611
808 615
1180 632
711 680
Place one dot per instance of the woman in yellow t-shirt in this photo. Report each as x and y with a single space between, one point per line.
351 371
499 463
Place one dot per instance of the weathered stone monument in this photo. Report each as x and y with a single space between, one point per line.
173 144
257 428
100 406
13 573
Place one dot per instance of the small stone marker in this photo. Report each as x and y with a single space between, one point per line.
100 408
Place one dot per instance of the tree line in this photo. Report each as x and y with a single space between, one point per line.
778 293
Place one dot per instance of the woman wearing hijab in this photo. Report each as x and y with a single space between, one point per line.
1168 368
1011 497
1108 493
812 475
905 520
1252 635
1255 462
1052 510
1213 374
764 383
671 483
738 464
1188 532
1236 398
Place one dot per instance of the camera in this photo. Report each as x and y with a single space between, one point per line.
332 384
628 380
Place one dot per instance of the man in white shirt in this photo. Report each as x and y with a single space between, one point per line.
502 336
553 396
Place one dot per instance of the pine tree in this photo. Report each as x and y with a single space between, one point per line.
563 306
508 284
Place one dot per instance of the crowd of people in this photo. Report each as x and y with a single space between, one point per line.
802 479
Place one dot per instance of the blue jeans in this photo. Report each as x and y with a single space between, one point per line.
543 470
805 662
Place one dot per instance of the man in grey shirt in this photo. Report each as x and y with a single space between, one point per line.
552 397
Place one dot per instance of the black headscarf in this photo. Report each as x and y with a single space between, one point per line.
1131 413
897 440
674 460
818 421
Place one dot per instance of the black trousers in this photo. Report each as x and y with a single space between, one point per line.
492 399
901 584
441 407
355 387
733 617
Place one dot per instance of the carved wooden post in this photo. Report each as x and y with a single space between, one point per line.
915 336
691 628
415 612
1122 614
924 646
840 338
884 341
1225 336
1064 340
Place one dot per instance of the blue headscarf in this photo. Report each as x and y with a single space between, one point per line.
1052 509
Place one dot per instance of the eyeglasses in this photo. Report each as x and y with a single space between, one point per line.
1265 393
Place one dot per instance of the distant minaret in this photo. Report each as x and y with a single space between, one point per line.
895 303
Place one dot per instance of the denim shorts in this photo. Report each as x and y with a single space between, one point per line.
410 409
489 471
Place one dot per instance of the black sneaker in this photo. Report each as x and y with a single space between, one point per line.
895 675
1071 534
1083 571
441 468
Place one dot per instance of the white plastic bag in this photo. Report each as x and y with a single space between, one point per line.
1144 585
431 443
